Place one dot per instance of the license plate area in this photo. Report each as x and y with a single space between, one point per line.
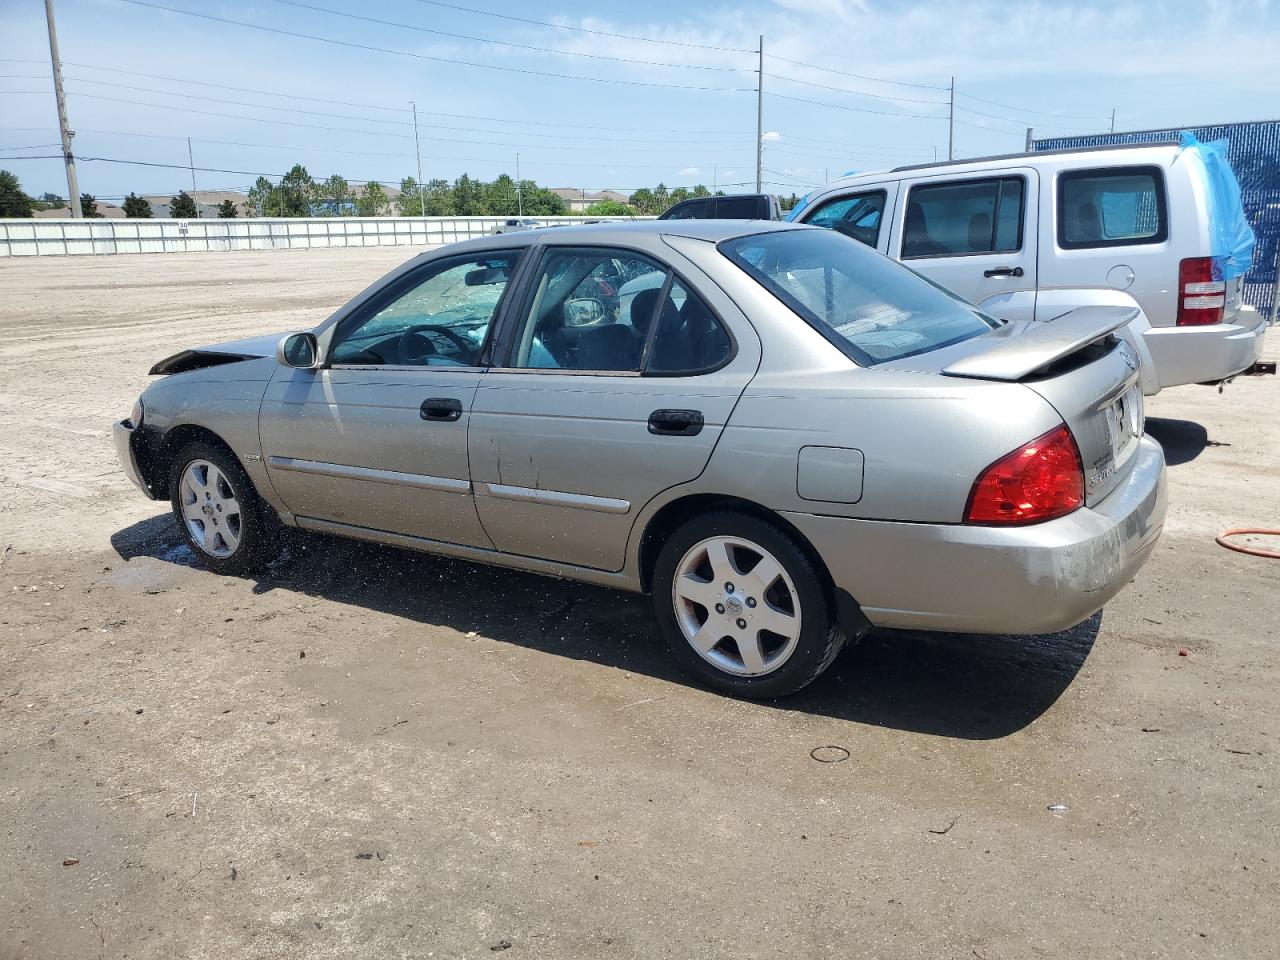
1125 421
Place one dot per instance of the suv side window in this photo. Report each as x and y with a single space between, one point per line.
688 210
739 208
438 316
963 218
858 216
1116 206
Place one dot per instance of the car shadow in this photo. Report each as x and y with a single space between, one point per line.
950 685
1182 440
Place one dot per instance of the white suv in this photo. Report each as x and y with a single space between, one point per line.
1031 236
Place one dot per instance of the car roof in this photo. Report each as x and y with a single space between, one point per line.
996 161
617 232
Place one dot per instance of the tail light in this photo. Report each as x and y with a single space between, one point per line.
1201 295
1039 481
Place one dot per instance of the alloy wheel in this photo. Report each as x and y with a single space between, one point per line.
736 606
210 509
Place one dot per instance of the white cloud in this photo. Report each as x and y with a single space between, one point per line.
688 172
771 136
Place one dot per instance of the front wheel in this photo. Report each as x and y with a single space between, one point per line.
222 518
743 607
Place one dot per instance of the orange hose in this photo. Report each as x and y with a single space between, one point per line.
1241 548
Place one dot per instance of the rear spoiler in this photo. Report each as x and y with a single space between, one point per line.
1017 350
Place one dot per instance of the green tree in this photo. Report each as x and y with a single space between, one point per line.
540 202
700 191
372 200
182 207
468 197
297 191
332 197
439 197
13 202
136 208
227 210
501 199
410 201
678 195
610 208
661 198
260 196
643 202
89 206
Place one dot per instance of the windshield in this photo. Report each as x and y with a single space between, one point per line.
870 307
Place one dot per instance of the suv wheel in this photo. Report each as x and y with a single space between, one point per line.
223 519
743 607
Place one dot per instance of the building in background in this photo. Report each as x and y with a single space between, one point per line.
577 201
1254 151
207 202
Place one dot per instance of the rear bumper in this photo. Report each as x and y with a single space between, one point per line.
1206 354
1035 579
126 438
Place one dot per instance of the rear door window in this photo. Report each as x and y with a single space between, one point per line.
965 217
1112 207
738 208
688 210
857 216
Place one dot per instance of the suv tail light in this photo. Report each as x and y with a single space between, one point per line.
1039 481
1201 296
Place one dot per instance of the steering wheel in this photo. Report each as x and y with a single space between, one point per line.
417 343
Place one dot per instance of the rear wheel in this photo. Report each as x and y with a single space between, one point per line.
743 607
222 518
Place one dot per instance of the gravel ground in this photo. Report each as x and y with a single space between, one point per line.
369 753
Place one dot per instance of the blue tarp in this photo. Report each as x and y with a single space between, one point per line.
1230 236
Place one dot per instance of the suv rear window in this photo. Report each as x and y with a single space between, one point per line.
868 306
1112 207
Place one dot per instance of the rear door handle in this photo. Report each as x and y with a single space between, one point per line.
676 423
1003 272
446 409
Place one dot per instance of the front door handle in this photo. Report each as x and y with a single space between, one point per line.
441 408
1003 272
676 423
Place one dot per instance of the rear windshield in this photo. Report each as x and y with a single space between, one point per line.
870 307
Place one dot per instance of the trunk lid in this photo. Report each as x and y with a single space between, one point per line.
1076 363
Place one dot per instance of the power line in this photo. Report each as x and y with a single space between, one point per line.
402 123
858 93
422 56
842 106
856 76
369 106
598 33
1044 113
505 43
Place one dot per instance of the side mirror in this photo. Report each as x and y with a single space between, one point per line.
298 350
583 312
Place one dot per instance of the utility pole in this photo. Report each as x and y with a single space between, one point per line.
417 149
1113 119
191 163
715 177
73 185
519 192
951 123
1030 138
760 120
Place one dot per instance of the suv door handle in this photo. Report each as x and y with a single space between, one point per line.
441 408
1003 272
676 423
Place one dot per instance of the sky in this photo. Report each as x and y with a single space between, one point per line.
610 95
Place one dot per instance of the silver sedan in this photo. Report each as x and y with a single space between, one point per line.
783 436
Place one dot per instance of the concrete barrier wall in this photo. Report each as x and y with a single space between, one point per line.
64 237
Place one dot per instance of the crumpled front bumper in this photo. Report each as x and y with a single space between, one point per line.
959 578
125 435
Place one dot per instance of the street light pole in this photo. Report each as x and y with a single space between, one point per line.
417 149
951 123
73 185
519 192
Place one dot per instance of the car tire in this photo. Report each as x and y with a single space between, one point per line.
792 629
223 520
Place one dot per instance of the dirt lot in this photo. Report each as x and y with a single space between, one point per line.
466 758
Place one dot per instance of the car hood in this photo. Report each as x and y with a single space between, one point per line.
232 351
